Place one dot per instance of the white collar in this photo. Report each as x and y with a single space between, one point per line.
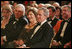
53 18
43 22
16 19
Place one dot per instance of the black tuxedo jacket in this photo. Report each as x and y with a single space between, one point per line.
67 34
53 23
13 28
42 38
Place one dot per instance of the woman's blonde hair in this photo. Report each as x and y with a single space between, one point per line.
7 7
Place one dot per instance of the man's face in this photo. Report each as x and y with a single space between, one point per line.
40 17
51 13
65 13
18 12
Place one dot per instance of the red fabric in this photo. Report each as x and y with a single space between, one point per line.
26 2
57 26
70 44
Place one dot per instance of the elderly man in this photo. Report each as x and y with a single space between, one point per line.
43 33
16 23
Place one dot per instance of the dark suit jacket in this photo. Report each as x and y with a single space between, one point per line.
42 38
67 34
53 23
13 30
3 32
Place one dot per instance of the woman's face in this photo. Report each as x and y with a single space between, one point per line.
31 17
6 13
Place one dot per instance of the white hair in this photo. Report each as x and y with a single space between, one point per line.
8 7
46 11
21 6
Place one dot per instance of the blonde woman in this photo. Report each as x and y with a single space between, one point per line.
6 14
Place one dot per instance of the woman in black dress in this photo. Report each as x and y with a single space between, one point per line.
6 15
27 30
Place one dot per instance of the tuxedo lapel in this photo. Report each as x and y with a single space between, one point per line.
42 37
37 30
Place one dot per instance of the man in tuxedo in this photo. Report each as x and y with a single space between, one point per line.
64 31
43 33
16 23
52 18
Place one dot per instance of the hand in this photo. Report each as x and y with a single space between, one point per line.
67 44
27 47
23 47
54 43
20 47
16 42
19 42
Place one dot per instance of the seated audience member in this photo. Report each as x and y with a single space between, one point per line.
27 30
58 13
42 34
16 23
52 18
63 28
6 15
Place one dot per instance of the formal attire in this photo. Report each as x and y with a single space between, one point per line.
14 27
26 32
52 22
41 37
64 34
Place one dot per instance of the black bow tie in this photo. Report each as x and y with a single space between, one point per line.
49 19
66 21
38 23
